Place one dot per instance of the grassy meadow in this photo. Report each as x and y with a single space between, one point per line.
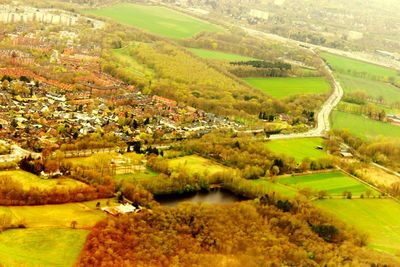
363 127
334 183
375 89
156 19
347 65
275 187
41 247
130 65
196 164
289 86
211 54
379 218
140 176
298 148
29 180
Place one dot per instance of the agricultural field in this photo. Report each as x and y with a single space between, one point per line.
298 148
210 54
29 180
379 218
196 164
334 183
289 86
155 19
85 214
375 89
41 246
363 127
350 66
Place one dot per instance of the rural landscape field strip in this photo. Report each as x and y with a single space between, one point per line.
363 127
212 54
289 86
299 149
379 218
155 19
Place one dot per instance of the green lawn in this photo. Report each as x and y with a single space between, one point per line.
275 187
41 247
155 19
140 176
379 218
347 65
130 65
363 127
289 86
335 183
372 88
29 180
298 148
85 214
211 54
196 164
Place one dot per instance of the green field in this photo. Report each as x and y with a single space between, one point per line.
41 247
334 183
140 176
155 19
298 148
289 86
210 54
29 180
196 164
374 89
275 187
347 65
130 65
85 214
363 127
379 218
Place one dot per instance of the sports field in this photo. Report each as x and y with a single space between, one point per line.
363 127
298 148
379 218
211 54
29 180
196 164
289 86
334 183
155 19
349 66
41 247
372 88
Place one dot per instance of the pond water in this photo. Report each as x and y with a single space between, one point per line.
216 196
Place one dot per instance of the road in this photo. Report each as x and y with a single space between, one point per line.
17 153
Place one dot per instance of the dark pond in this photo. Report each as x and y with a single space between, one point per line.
216 196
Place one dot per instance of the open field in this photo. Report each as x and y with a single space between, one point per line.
334 183
210 54
275 187
139 176
130 65
298 148
155 19
196 164
29 180
373 89
85 214
350 66
363 127
41 247
379 218
289 86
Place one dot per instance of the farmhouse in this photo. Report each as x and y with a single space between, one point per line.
121 209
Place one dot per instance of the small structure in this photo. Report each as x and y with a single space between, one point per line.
346 154
121 209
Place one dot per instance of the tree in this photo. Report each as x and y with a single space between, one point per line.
74 224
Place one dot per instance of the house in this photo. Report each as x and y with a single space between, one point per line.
121 209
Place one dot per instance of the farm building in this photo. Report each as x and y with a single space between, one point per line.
121 209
